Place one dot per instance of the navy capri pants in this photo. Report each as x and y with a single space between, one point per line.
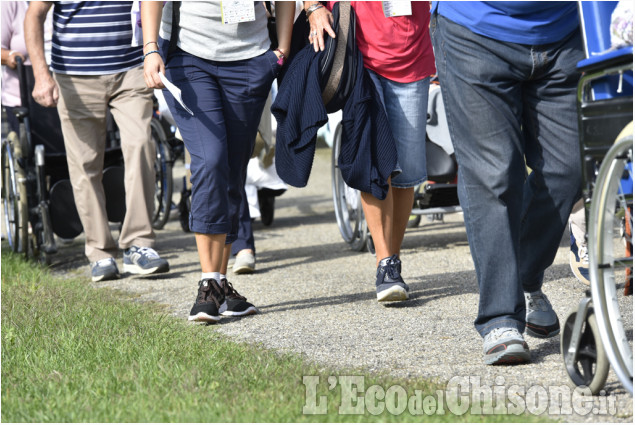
227 99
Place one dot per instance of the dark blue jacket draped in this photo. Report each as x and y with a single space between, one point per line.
368 156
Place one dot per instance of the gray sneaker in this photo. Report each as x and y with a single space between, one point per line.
143 261
390 286
541 320
505 346
245 263
105 269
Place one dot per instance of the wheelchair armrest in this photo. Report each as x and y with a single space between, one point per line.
615 58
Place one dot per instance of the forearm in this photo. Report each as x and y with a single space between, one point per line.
285 10
34 37
150 23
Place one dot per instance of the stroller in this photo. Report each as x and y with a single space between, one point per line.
596 332
433 198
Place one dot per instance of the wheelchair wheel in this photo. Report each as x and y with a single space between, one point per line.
347 202
591 366
13 218
163 179
610 255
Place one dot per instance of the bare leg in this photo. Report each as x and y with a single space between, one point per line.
379 217
227 252
402 207
210 251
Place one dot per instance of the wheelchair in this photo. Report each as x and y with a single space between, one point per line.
37 196
434 198
597 333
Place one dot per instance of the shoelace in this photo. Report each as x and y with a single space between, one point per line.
538 302
390 268
104 262
148 252
205 294
231 292
583 252
498 333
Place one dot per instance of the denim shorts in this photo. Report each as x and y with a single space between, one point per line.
406 107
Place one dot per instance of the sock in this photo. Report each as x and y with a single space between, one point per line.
211 275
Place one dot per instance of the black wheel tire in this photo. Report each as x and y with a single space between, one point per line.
592 365
163 177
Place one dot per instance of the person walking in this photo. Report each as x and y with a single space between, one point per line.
397 53
95 69
508 79
220 60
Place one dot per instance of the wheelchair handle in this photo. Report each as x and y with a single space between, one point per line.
24 95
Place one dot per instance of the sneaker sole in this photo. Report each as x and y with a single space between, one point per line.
541 331
203 317
514 354
396 293
105 277
573 263
134 269
243 269
248 312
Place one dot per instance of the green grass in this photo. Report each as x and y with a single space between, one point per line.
71 353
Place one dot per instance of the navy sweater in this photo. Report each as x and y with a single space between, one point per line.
368 156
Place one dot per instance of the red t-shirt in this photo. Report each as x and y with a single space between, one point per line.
397 48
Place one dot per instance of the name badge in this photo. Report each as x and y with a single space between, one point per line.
396 8
237 11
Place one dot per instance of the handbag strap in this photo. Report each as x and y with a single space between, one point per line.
340 52
174 34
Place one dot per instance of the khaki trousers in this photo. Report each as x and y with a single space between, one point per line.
82 107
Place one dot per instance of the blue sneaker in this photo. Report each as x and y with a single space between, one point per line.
105 269
143 261
541 321
505 346
579 259
390 286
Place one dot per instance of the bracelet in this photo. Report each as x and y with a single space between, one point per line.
282 57
12 52
150 42
312 9
150 52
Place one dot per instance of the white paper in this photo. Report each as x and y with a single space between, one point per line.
397 8
176 92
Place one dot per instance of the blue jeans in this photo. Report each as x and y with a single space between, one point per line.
227 99
406 107
506 104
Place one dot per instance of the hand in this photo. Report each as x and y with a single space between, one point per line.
152 65
320 20
11 59
45 91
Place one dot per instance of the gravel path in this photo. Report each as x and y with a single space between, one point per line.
317 298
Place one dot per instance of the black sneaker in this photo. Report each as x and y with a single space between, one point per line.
208 302
236 304
390 285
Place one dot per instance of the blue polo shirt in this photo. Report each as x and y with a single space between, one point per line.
93 38
522 22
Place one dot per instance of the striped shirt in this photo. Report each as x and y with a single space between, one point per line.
93 38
